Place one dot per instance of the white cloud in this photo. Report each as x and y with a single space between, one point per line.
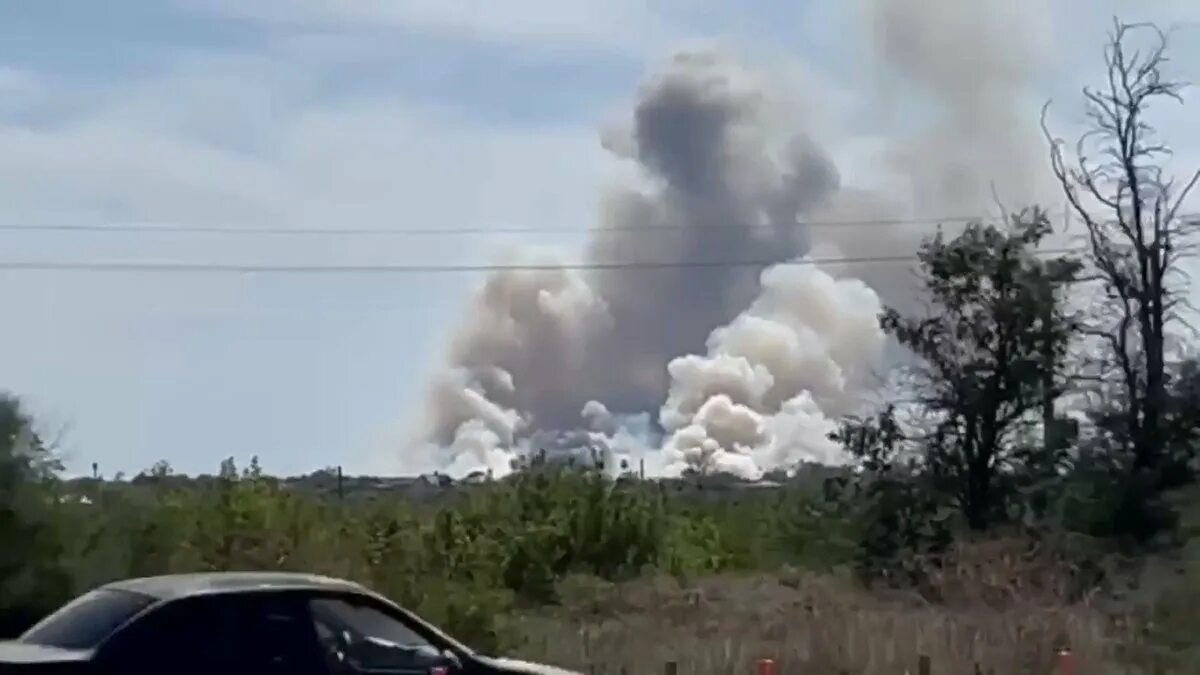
233 145
223 148
98 166
220 147
628 25
17 81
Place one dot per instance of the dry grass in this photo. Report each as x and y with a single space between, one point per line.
807 624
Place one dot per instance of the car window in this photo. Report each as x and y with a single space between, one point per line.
87 620
357 636
184 636
218 635
363 619
276 637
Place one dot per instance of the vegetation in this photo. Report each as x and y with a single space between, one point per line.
528 563
983 523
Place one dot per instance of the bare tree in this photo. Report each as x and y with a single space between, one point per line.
1137 235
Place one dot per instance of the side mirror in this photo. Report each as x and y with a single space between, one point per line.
450 664
451 659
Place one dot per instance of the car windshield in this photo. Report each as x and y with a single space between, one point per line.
87 620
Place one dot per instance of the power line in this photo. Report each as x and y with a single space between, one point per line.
387 232
118 228
229 268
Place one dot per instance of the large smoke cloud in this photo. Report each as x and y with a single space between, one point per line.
772 377
747 365
952 83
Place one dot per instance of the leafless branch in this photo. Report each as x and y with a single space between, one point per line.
1130 209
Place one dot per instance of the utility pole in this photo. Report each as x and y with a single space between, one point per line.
1048 365
339 483
1049 361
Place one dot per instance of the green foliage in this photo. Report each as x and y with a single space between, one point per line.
990 353
1108 494
467 564
30 545
902 518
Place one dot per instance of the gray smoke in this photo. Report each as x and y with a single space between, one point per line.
958 75
524 348
745 365
718 191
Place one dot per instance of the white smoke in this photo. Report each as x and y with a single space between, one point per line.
720 438
543 346
763 395
748 365
476 447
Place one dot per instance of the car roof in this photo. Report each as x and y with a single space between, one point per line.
174 586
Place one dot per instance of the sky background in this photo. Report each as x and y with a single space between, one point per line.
336 114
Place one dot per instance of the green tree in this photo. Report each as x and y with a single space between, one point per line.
996 325
902 518
31 578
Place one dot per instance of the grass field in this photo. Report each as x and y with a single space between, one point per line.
807 624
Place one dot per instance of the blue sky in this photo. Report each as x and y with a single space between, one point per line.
327 113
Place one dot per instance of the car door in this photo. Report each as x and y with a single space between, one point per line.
361 636
260 633
274 635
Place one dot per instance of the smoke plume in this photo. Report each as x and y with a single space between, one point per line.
734 351
774 375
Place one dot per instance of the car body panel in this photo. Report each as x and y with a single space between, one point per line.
517 667
21 657
12 651
174 586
